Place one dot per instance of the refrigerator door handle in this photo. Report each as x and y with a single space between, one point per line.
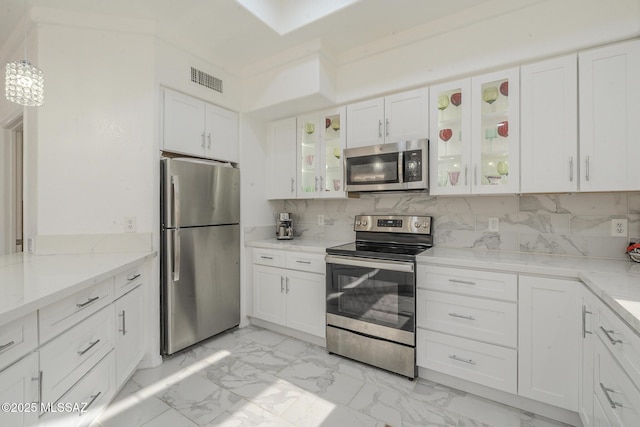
176 236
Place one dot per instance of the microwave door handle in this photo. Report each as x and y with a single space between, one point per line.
400 167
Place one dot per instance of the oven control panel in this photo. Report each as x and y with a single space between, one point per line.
393 224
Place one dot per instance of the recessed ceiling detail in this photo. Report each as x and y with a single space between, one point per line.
285 16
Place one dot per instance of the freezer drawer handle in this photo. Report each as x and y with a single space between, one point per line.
91 345
468 361
89 301
6 346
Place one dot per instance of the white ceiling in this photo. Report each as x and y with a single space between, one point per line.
232 36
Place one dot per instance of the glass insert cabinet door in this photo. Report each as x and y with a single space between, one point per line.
496 133
450 141
308 156
333 139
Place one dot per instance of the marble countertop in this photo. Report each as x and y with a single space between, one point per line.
29 282
615 282
301 245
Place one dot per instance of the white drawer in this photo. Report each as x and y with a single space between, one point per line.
17 339
313 263
67 358
486 284
128 280
620 399
494 322
95 389
620 340
60 316
486 364
271 257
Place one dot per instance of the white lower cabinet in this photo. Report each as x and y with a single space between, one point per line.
128 334
549 341
290 297
467 325
19 385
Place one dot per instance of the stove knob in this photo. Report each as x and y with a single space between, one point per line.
364 223
417 224
358 223
425 225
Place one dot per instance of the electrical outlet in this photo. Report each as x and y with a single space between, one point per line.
320 219
494 224
619 227
130 224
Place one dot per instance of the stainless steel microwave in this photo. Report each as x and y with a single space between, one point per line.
396 166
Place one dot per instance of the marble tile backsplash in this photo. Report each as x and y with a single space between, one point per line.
564 224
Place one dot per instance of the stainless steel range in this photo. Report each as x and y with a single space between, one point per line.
371 290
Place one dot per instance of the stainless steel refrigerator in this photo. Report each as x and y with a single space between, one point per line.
200 251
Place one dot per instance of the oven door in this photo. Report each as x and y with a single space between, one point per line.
372 297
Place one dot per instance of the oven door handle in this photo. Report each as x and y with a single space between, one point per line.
382 264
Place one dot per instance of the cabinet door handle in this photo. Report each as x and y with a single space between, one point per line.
287 284
3 347
39 379
606 391
209 140
93 399
466 180
584 321
316 183
587 170
475 174
571 169
459 359
124 323
91 345
387 127
293 185
321 184
462 316
89 301
463 282
202 145
281 284
379 128
607 332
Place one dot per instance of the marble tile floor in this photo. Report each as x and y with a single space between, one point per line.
255 377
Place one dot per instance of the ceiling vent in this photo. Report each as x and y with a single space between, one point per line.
206 80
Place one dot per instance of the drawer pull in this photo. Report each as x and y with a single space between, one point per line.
265 257
606 391
93 399
468 361
462 316
6 346
134 277
464 282
607 333
303 262
89 301
91 345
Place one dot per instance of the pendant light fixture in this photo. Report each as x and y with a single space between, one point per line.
24 83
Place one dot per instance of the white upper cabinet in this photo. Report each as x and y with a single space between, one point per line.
495 132
399 117
450 141
610 117
321 140
281 159
194 127
474 145
549 132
